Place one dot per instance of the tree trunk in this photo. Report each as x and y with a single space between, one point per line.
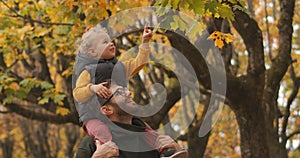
72 135
257 114
274 77
8 144
7 147
196 145
252 132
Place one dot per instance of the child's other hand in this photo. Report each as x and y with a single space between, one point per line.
101 90
147 34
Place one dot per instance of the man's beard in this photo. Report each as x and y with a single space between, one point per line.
125 111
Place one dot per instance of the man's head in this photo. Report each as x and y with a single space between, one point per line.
119 104
97 43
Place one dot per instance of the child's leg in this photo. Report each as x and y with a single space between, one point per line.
98 129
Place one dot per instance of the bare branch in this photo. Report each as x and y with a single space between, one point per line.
268 32
274 10
293 134
290 100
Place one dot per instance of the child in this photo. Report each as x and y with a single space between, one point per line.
95 62
97 50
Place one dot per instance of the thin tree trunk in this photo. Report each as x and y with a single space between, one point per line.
250 7
197 145
8 143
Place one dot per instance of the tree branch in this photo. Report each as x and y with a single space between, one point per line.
26 19
290 100
293 134
174 96
5 112
2 62
41 116
250 7
268 32
44 73
283 59
252 36
280 66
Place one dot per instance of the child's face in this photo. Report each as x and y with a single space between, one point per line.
103 46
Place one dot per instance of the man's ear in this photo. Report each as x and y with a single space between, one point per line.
106 110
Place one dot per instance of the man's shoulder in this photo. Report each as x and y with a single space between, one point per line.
87 141
86 148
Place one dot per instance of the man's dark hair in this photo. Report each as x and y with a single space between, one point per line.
116 74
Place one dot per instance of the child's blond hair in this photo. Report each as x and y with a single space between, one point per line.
85 42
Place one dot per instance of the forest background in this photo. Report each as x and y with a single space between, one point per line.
258 41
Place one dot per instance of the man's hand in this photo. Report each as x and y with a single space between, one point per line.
106 150
164 142
147 34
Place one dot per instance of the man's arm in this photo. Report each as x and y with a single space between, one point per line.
106 150
86 148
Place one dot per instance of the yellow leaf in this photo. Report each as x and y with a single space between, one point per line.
208 14
228 38
3 135
62 111
10 58
39 31
24 30
60 103
220 37
67 73
219 43
15 86
14 131
215 35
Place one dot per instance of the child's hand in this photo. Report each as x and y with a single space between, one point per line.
147 34
101 90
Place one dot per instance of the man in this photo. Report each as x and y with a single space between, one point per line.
128 132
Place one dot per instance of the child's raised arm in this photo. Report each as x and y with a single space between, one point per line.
132 66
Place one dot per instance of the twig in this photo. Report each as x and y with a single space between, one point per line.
293 134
